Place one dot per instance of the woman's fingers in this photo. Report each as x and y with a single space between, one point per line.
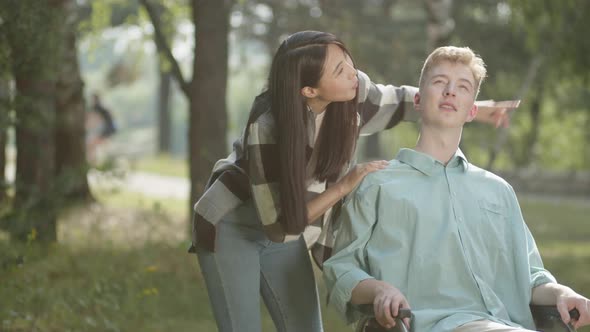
374 166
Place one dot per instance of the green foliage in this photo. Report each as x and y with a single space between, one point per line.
562 138
558 28
30 28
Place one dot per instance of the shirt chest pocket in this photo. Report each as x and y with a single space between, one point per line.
493 223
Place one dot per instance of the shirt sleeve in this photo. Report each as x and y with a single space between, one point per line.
348 266
264 171
384 106
538 274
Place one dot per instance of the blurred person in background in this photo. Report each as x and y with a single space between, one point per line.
100 126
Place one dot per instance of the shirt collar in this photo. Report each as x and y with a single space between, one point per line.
427 164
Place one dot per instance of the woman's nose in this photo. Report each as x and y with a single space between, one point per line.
351 71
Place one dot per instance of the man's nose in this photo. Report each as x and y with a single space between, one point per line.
449 90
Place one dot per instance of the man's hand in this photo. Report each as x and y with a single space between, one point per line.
496 113
388 300
568 300
565 299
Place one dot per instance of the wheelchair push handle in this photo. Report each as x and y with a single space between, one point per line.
574 314
367 309
370 324
548 319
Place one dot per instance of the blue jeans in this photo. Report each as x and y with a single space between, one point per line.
246 265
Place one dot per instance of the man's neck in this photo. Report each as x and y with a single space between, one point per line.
439 144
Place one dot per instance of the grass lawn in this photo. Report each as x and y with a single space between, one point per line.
162 164
122 266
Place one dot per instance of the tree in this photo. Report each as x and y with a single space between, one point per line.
4 125
165 83
440 22
71 166
5 111
31 29
206 89
164 121
557 31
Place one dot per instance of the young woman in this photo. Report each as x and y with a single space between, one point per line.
272 197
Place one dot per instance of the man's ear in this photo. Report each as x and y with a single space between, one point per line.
417 101
472 113
309 92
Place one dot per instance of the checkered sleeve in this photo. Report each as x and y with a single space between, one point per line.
383 106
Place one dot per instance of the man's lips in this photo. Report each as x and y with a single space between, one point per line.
447 107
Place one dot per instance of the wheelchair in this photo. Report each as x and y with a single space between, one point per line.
547 319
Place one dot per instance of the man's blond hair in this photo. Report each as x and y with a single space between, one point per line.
453 54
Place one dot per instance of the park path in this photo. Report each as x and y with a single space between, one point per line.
149 184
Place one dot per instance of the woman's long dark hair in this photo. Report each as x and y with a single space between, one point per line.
298 63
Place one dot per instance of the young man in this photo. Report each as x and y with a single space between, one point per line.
440 234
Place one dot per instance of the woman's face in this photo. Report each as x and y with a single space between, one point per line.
339 80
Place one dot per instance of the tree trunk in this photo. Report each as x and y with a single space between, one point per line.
586 146
164 123
206 91
35 162
3 183
32 31
4 125
165 80
71 166
440 22
530 152
530 77
208 117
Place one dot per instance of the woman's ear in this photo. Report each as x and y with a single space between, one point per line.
309 92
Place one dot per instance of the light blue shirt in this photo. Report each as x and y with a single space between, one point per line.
451 238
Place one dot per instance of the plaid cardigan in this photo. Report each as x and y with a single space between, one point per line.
251 171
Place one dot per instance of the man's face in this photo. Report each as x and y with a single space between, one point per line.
447 95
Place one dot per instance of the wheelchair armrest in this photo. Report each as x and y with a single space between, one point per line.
370 324
548 319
